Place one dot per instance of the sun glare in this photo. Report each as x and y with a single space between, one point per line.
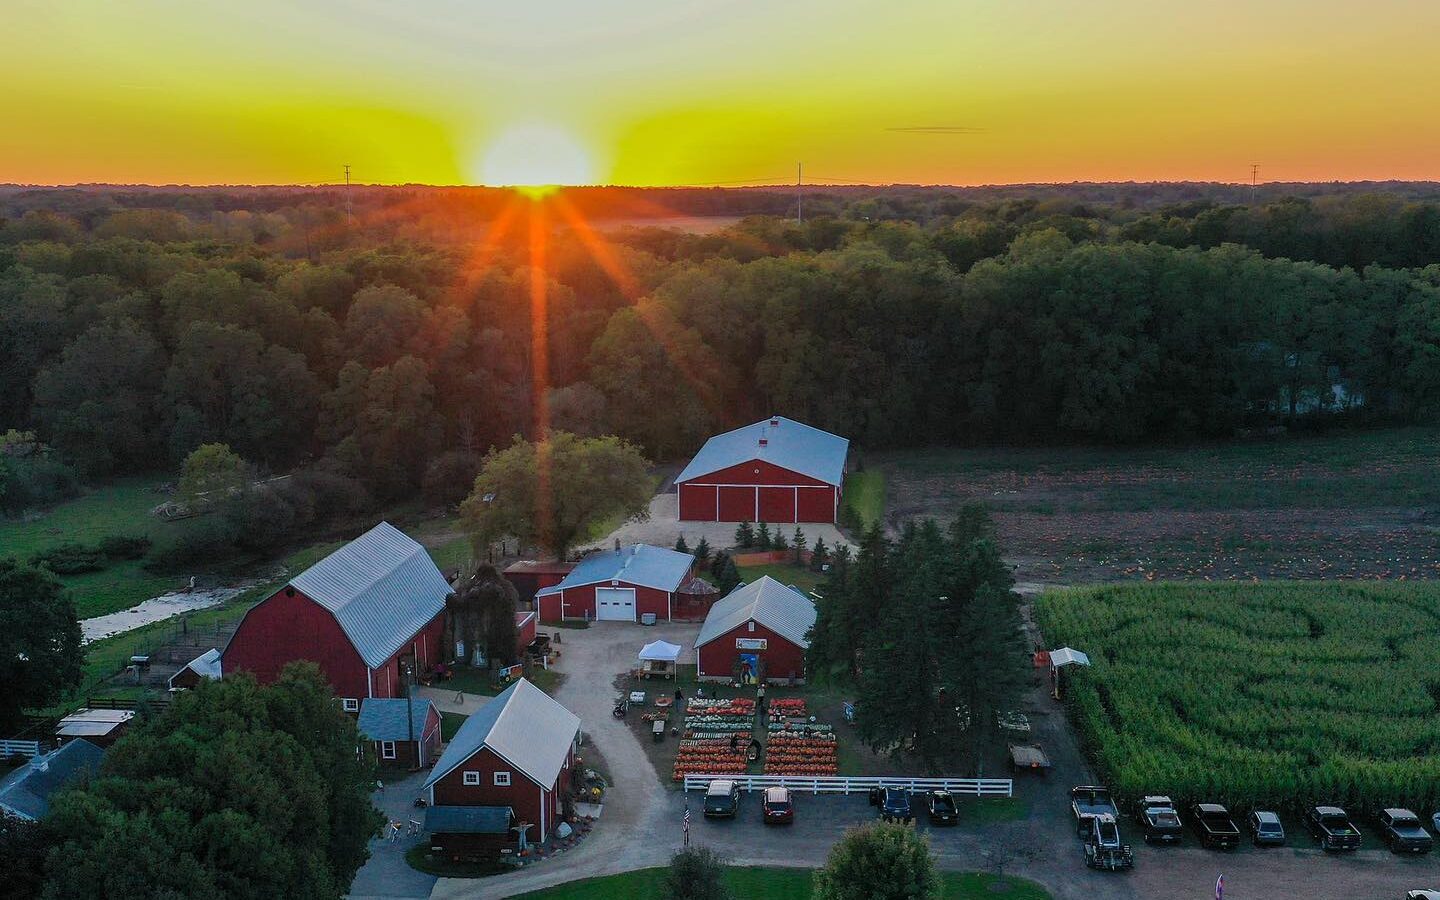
536 158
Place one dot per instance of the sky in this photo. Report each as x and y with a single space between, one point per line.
717 91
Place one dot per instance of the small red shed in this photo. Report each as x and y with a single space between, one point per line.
405 733
530 575
776 470
618 585
363 613
524 631
758 631
516 752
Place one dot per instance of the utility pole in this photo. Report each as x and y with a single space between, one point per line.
1254 181
799 209
349 209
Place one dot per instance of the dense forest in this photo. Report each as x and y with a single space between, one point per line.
382 349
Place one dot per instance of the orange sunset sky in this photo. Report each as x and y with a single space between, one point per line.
712 91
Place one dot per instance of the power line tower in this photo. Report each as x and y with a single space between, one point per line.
799 208
1254 181
349 208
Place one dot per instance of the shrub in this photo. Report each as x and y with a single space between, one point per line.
69 559
879 861
124 546
203 541
696 873
37 480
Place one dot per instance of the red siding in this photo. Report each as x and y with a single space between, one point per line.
756 471
737 504
780 502
525 633
781 658
281 629
579 602
523 795
777 504
815 505
697 503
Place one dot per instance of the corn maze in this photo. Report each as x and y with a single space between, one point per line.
1269 694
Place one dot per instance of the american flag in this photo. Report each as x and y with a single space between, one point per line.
686 821
1220 888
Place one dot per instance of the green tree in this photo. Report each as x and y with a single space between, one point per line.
702 551
763 540
40 653
23 847
212 475
820 555
777 540
552 493
695 873
238 791
482 612
728 578
879 861
744 536
798 543
680 544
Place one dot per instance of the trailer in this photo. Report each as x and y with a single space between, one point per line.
1087 801
1028 757
1103 848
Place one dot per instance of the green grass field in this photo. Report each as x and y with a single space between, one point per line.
773 883
865 495
785 573
1274 694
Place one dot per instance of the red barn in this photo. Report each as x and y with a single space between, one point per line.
362 613
405 733
516 752
758 631
618 585
777 470
524 631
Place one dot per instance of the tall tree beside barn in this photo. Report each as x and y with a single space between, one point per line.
40 653
482 613
550 494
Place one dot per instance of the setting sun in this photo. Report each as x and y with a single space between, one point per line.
535 156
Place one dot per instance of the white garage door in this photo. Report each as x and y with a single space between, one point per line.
615 604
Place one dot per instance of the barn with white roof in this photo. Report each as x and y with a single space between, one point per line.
776 470
618 586
759 631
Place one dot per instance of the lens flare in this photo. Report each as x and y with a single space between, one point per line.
536 158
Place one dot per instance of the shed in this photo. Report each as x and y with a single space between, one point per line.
405 733
530 575
758 631
775 470
618 585
364 614
101 727
204 667
25 792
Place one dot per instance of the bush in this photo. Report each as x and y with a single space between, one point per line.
69 559
879 861
124 546
37 480
202 542
695 873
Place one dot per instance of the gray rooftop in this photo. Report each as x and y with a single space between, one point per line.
468 819
384 719
382 588
524 726
789 444
26 791
206 665
642 564
783 610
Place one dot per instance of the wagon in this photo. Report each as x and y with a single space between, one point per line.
1028 757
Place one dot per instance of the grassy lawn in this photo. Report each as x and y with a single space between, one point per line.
773 883
478 681
865 495
785 573
449 724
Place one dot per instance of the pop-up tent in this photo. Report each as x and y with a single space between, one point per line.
658 658
1066 656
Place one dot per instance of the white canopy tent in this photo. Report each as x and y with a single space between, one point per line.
658 658
1066 656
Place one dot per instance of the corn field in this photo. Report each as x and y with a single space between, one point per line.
1270 694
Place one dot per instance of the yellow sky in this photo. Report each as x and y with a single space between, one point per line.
702 91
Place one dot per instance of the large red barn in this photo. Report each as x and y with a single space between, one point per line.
777 470
361 613
618 586
758 631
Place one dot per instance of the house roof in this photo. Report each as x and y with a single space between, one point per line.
789 444
26 791
522 725
384 719
641 564
468 819
783 610
381 587
206 665
93 722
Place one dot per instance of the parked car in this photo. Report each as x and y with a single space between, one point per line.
722 799
895 805
1214 826
1403 832
1160 820
1103 847
1331 828
1088 801
942 808
1265 828
777 808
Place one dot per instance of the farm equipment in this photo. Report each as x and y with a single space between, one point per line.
1103 847
1089 801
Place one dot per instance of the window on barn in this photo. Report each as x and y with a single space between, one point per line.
387 749
751 624
472 778
502 779
350 704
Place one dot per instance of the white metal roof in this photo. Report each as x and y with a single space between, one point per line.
382 588
206 665
783 610
641 564
1065 656
524 726
789 444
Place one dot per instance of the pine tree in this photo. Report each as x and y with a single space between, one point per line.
717 565
819 556
762 537
778 542
702 551
798 542
729 577
744 536
680 544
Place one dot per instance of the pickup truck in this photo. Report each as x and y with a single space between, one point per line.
1403 832
1159 819
1088 801
1103 848
1214 826
1331 827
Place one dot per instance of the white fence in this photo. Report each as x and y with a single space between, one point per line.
975 787
19 748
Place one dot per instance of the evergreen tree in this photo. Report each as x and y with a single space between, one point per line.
778 542
717 564
744 536
729 577
819 556
798 542
680 544
702 551
762 537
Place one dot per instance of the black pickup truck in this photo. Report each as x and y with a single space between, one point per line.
1331 827
1403 832
1214 826
1160 820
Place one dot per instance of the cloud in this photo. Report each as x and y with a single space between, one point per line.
938 129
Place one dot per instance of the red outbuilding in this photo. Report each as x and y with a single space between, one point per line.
619 586
778 470
364 613
529 576
524 631
757 632
405 733
517 752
